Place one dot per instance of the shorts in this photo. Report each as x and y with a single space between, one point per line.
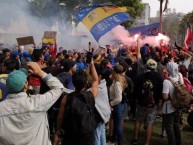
146 114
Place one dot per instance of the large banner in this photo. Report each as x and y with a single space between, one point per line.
101 19
147 30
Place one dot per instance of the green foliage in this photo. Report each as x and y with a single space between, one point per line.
171 25
51 11
187 18
183 24
134 9
38 7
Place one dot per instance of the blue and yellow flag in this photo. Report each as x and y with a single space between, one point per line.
101 19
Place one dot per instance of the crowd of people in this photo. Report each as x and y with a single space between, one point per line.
72 98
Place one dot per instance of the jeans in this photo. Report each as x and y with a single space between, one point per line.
172 126
118 111
100 136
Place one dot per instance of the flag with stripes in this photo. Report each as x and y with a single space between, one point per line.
100 19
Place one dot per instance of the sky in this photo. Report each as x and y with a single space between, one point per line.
183 6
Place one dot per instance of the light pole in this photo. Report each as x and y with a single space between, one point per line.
62 16
61 20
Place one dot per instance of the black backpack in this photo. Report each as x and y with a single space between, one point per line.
147 93
79 117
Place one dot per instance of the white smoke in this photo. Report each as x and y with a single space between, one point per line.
23 23
122 35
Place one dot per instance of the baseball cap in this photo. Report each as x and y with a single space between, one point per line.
151 64
16 81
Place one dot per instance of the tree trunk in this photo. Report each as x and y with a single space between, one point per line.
161 15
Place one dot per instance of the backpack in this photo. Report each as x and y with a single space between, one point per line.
181 96
127 92
79 116
188 85
147 93
190 119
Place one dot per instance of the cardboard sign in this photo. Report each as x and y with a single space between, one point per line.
25 40
50 34
52 41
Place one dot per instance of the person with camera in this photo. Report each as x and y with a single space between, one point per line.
23 117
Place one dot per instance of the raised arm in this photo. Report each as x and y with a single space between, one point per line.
138 48
60 119
95 82
42 102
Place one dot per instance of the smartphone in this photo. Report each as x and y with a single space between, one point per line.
89 57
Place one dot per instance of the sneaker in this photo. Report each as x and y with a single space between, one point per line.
134 142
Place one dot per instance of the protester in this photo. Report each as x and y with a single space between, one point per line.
6 53
171 116
148 90
35 81
184 71
65 77
102 107
118 107
26 57
80 133
8 67
117 67
16 58
127 92
79 62
24 120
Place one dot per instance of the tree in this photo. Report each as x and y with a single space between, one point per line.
162 10
171 24
183 26
135 7
49 11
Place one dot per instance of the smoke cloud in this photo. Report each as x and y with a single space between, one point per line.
17 16
122 35
17 19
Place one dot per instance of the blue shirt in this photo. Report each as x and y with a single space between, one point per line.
66 79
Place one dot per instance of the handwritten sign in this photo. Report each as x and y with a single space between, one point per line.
50 34
25 40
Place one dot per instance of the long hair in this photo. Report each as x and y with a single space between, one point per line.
120 78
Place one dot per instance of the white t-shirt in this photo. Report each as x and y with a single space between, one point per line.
187 63
168 88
